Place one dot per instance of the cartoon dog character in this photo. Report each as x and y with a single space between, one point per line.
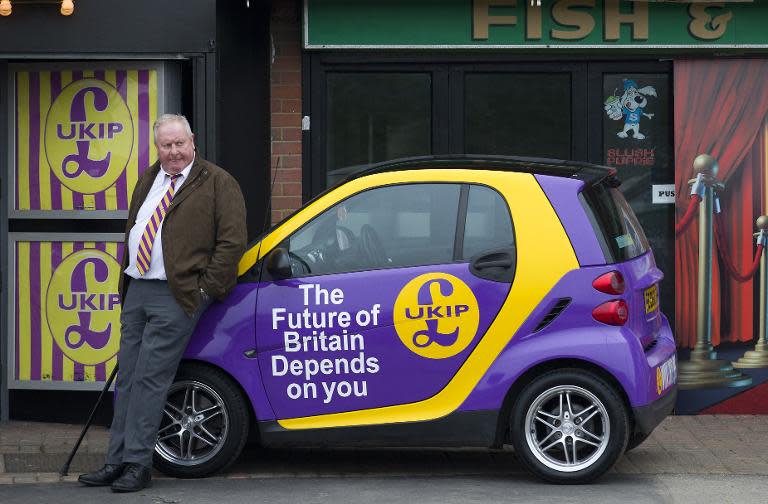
630 106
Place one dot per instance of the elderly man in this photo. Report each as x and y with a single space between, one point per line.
186 233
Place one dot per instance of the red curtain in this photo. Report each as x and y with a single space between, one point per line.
720 109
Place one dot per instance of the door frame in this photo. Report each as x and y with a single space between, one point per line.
447 74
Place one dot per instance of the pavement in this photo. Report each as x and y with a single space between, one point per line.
723 445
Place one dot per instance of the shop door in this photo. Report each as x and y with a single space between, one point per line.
364 113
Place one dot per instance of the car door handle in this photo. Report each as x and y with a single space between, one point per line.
493 263
497 265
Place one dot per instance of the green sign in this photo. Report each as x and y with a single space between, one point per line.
457 24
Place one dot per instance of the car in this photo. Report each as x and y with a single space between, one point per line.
436 301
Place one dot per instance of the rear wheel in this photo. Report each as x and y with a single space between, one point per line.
636 440
204 426
569 426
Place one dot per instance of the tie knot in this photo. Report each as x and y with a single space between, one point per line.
174 177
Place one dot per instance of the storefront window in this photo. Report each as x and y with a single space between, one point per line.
520 114
377 116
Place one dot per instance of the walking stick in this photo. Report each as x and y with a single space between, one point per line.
65 468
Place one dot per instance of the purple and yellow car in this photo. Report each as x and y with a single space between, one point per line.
437 301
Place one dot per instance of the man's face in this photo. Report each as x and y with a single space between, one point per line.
175 147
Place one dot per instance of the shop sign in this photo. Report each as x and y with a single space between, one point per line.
663 194
82 138
66 311
452 24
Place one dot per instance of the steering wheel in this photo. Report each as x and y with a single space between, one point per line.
348 235
371 246
302 262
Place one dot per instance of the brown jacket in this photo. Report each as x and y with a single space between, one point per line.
204 233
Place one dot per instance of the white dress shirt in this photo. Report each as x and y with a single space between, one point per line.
159 187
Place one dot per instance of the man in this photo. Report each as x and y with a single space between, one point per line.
185 235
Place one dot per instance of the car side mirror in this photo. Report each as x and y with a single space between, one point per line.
279 263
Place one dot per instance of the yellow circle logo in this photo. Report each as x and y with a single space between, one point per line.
436 315
83 306
88 136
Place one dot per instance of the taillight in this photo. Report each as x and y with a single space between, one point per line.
610 283
612 312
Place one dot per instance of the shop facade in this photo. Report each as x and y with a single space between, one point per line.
310 86
78 96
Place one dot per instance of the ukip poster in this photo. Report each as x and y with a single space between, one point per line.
66 311
83 137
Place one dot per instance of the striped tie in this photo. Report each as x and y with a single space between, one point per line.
148 238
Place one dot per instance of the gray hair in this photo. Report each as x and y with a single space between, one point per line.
167 118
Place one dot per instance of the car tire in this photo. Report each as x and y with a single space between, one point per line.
636 440
204 426
592 422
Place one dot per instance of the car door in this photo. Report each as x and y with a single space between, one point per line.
391 290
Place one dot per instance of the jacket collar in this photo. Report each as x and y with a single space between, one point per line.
197 174
145 183
194 173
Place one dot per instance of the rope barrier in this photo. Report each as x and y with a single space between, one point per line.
728 262
681 226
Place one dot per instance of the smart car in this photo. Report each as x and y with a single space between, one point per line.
436 301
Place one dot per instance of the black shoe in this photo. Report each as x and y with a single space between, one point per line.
103 477
135 477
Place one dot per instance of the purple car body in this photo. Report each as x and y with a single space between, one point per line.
416 354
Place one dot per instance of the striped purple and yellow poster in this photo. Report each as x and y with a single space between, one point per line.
66 313
83 137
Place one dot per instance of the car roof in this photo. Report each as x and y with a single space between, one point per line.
587 172
590 174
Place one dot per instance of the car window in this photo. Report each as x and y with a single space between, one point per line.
620 234
386 227
489 225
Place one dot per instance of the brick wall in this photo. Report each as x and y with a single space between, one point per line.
285 91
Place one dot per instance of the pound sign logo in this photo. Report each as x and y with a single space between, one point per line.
436 315
83 307
74 164
88 136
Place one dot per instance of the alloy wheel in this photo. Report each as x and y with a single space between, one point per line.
194 425
567 428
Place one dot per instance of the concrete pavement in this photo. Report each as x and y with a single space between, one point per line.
32 452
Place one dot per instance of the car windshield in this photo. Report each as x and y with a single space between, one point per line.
618 230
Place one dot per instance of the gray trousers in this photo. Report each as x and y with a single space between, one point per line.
154 334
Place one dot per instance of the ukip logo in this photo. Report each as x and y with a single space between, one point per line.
83 307
436 315
88 136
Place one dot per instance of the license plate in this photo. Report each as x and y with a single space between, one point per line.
651 296
666 375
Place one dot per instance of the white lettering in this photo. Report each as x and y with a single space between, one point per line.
293 391
277 316
279 360
363 318
344 389
328 388
291 341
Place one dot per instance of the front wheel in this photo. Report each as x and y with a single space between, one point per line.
204 425
569 426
